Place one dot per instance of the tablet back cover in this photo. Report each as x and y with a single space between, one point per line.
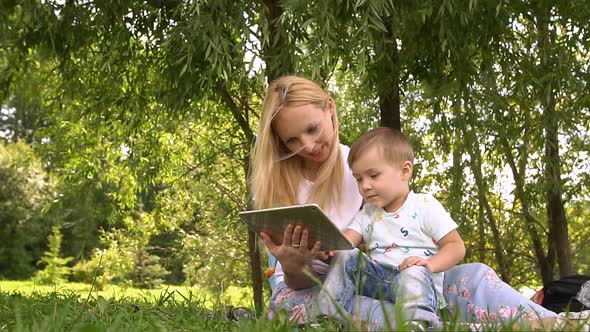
273 221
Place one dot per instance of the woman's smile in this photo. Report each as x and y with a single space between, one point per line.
318 153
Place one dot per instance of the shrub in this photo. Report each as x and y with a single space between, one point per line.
56 269
147 272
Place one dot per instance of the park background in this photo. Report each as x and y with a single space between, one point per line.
126 128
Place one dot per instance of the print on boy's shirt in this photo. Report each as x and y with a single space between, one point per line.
404 232
393 245
427 252
373 247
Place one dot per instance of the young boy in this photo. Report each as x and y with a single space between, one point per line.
409 237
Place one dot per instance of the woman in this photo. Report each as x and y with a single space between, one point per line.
297 158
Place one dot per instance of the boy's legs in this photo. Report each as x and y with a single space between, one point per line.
415 296
340 285
412 289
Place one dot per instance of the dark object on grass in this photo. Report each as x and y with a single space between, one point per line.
561 295
584 294
239 313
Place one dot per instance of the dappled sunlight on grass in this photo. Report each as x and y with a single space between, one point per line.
232 296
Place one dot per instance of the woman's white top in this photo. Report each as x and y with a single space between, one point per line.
342 214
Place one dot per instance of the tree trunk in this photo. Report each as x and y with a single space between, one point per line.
279 61
255 270
388 86
545 261
389 107
276 52
456 190
558 232
254 250
240 115
481 233
484 203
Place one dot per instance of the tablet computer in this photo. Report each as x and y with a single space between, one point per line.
274 221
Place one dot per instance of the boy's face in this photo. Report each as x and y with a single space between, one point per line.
382 184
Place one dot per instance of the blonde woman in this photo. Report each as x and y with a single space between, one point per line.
298 158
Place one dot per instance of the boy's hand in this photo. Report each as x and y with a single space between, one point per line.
414 260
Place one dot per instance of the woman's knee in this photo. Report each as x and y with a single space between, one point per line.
279 293
478 266
463 272
286 298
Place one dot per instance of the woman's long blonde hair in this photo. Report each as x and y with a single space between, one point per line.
275 177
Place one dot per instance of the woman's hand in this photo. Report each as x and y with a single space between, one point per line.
293 253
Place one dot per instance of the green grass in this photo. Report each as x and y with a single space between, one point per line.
25 306
68 312
234 296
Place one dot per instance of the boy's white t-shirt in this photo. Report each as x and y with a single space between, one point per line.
413 230
342 214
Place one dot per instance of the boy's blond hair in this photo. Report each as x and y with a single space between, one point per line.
395 146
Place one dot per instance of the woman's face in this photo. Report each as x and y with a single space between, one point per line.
307 131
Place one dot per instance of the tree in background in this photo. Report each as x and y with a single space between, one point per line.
54 267
26 190
147 271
